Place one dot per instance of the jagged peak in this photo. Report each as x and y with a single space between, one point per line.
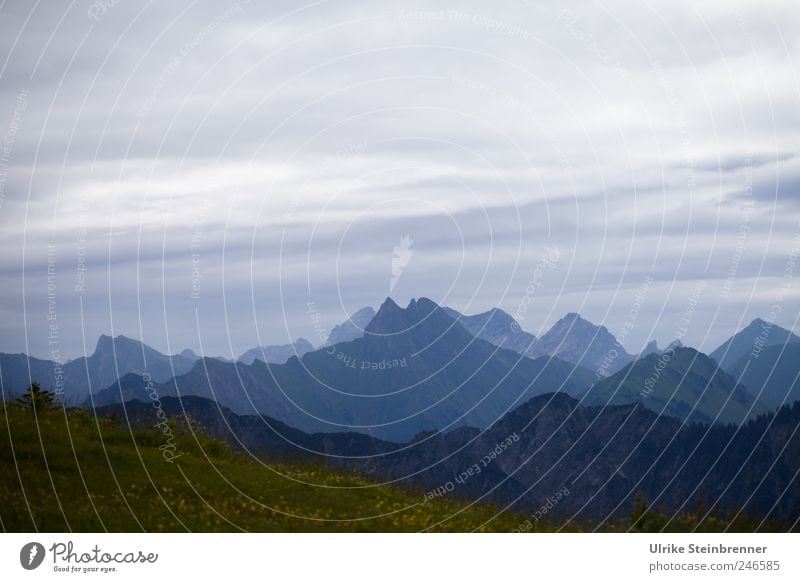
575 321
390 318
424 303
388 303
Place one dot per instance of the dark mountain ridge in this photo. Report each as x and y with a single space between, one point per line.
602 455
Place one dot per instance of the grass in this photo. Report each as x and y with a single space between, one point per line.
68 471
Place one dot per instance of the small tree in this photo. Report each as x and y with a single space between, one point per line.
37 399
645 518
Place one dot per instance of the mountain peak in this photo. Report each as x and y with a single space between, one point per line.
391 318
575 320
389 304
650 348
422 305
758 334
108 343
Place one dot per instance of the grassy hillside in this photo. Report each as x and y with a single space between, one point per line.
72 472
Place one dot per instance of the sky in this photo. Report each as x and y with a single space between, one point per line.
219 175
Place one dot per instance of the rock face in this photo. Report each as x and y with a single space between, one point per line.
353 328
751 341
597 457
276 354
682 383
414 370
498 328
578 341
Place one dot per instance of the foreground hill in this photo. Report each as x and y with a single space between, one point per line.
73 473
603 456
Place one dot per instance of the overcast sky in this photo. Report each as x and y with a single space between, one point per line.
217 166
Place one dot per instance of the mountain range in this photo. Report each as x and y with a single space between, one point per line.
399 371
414 370
77 379
421 395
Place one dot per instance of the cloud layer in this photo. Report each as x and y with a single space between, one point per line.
195 173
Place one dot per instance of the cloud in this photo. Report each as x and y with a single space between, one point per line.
297 145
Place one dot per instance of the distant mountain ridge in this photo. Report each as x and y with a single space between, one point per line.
276 354
580 342
498 328
682 383
773 376
752 339
429 374
353 328
572 339
417 360
112 358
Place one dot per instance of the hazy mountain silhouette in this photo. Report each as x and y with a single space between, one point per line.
683 383
498 328
576 340
750 340
276 354
353 328
112 358
429 372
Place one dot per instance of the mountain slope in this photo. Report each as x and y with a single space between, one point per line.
81 474
17 371
683 383
751 340
112 358
353 328
576 340
773 375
